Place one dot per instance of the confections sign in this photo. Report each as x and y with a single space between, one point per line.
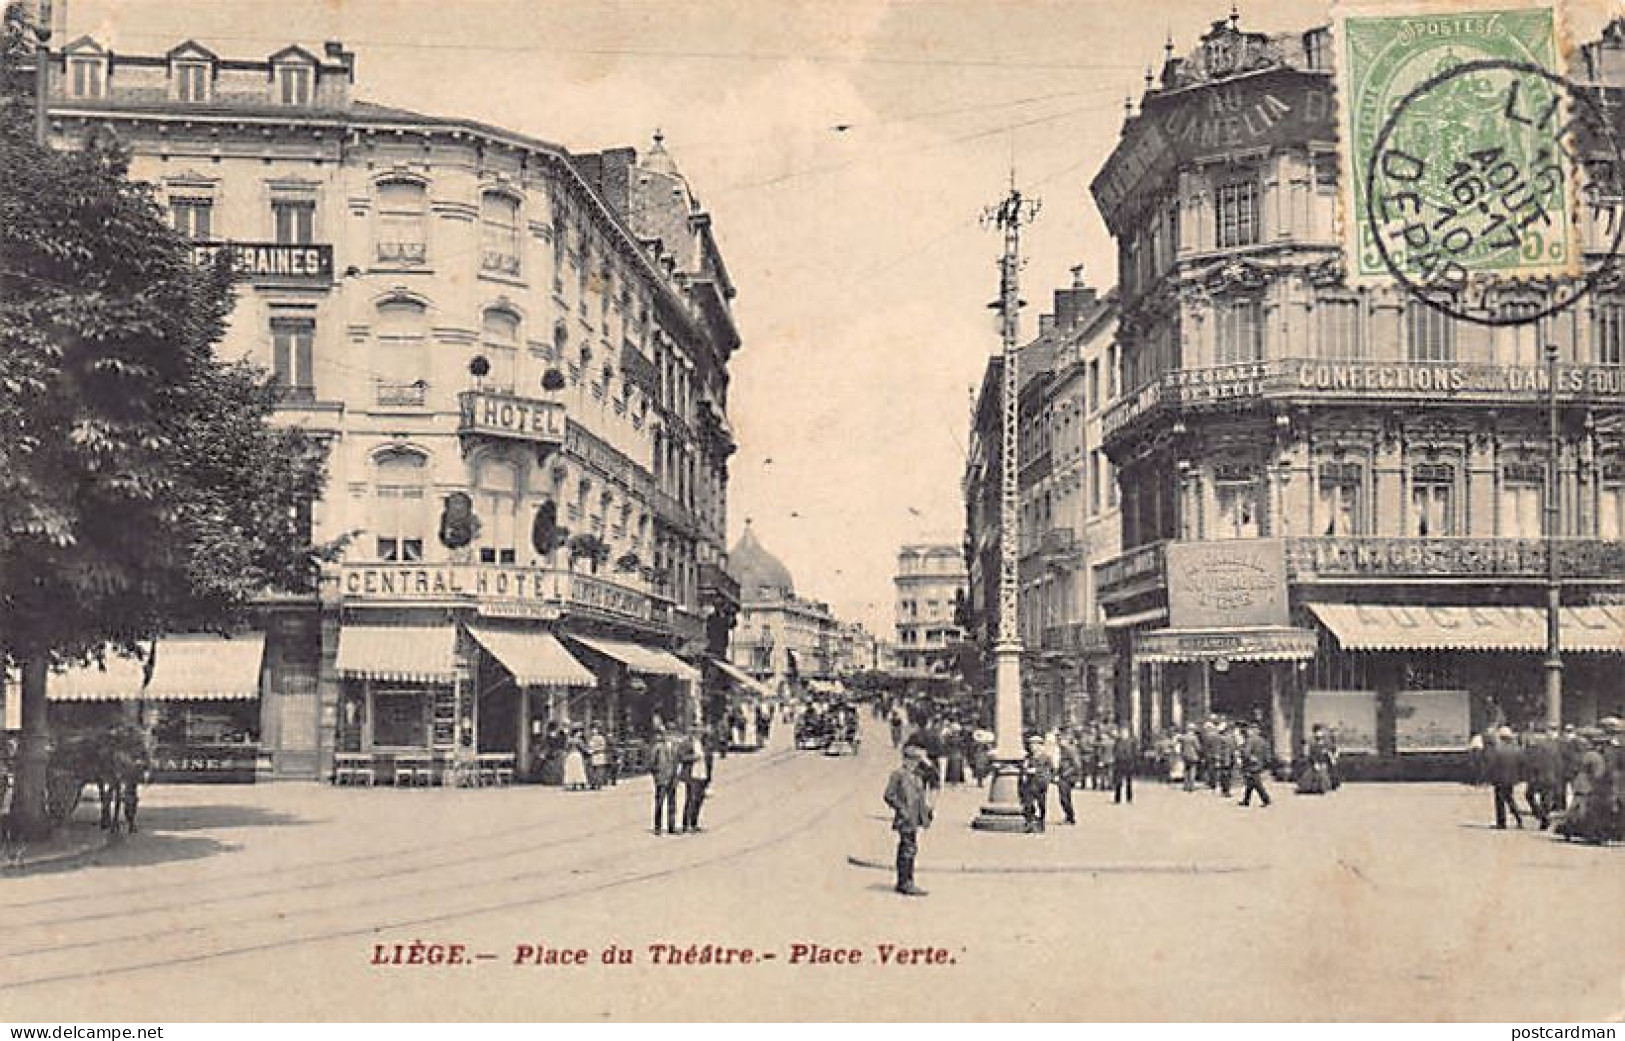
1240 582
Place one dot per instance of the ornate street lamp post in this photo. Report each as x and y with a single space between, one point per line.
1554 587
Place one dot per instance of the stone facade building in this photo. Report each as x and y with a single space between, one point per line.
518 356
781 636
930 584
1332 496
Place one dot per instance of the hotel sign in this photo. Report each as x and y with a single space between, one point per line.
303 262
503 415
494 589
1239 582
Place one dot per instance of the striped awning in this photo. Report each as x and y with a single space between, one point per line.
535 659
1263 643
744 679
410 653
639 658
187 668
1438 627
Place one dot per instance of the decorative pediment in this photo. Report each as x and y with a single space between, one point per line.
1234 276
1327 274
191 50
85 47
292 55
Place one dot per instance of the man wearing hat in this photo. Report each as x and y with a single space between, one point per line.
911 811
1503 765
1036 773
1255 758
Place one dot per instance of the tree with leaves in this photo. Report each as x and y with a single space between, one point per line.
143 489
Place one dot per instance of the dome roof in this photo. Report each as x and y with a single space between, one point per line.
759 572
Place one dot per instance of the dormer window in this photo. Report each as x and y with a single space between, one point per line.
87 77
294 83
192 81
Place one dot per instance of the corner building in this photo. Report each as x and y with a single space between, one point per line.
518 356
1332 497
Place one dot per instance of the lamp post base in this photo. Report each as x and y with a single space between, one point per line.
1002 810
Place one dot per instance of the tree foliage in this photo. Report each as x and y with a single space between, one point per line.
143 488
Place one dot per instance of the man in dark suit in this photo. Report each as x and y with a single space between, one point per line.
911 812
663 763
697 761
1069 775
1034 785
1125 757
1224 760
1255 759
1503 764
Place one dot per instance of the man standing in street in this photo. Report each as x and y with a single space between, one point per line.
1035 778
905 794
663 769
1503 765
1190 750
696 777
1224 760
1069 773
1255 756
1124 759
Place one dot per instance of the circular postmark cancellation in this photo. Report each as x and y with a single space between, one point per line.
1494 192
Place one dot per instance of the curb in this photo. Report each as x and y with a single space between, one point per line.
1151 868
104 841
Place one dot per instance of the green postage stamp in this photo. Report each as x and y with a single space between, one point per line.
1458 164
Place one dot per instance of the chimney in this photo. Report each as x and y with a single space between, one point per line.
1074 303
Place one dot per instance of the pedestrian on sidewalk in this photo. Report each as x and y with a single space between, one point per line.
597 758
1190 750
696 778
1068 774
1125 757
911 813
663 769
1105 757
1036 774
1503 766
1255 758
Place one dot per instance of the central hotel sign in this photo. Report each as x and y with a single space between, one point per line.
507 590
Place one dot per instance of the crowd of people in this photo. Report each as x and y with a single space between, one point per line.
1573 778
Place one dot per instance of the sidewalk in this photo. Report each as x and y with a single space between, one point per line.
1163 832
75 841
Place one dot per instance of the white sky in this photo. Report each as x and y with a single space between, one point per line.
863 275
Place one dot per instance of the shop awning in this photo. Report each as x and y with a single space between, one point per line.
1436 627
187 668
745 679
1264 643
535 659
639 658
410 653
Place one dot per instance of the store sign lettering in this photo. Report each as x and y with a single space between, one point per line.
1240 582
493 585
1332 557
270 259
504 416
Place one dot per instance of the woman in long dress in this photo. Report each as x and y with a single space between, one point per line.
954 738
575 764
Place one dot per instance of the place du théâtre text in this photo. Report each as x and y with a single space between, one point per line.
438 954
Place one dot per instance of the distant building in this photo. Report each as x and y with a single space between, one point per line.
931 587
780 635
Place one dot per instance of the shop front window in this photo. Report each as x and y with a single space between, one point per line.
400 717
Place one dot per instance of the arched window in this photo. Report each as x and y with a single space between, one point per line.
402 225
398 518
500 336
402 362
497 506
499 233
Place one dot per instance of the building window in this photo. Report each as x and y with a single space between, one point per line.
401 225
1340 330
292 352
295 83
193 216
400 717
1240 332
1111 372
398 520
191 81
1108 477
1238 214
1608 334
497 504
499 233
1339 499
1433 499
500 333
1520 500
87 77
1235 489
1519 343
401 361
1611 503
1092 463
1429 335
294 220
1094 385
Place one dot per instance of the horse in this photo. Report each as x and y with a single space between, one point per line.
116 760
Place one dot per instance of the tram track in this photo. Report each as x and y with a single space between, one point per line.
557 884
393 855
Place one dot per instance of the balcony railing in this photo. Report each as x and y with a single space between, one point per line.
1311 379
1334 558
499 262
1132 572
396 392
719 582
403 252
